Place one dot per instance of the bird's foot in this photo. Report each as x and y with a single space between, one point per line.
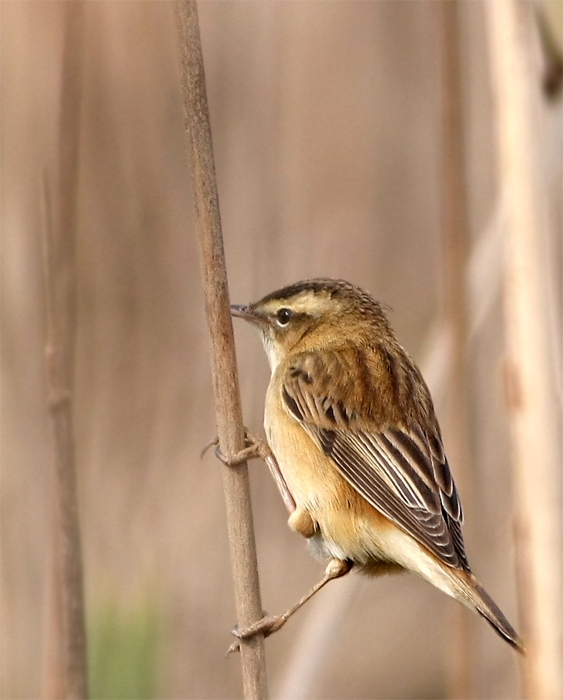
254 447
266 625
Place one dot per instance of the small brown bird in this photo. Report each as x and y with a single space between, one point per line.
357 450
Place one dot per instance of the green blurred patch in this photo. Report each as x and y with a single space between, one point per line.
123 650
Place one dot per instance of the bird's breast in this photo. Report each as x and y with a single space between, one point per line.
311 477
348 526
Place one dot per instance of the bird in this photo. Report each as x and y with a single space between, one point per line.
354 444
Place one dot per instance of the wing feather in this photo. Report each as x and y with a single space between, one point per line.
401 471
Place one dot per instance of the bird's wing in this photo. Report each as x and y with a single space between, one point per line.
402 472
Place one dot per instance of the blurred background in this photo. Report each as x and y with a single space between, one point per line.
328 127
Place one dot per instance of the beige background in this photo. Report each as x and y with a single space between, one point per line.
326 124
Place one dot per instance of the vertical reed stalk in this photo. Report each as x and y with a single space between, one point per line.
225 381
66 597
532 405
455 258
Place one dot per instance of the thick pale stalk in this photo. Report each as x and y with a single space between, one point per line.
530 381
225 381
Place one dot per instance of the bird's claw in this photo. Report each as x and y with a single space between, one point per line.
266 625
236 459
254 447
235 646
215 441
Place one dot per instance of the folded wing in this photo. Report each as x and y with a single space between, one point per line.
401 471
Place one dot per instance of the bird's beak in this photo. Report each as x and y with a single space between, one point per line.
245 312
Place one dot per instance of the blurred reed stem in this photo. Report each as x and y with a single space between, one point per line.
222 349
455 258
66 674
530 383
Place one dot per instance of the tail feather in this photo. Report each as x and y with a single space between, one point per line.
478 598
487 607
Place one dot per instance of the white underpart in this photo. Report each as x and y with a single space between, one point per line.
397 547
272 351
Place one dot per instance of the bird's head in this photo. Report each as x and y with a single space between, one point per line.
333 309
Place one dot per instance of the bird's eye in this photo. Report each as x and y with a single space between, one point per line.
284 316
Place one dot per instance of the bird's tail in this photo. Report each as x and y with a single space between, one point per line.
477 597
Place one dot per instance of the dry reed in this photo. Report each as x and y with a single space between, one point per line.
223 361
455 246
65 675
530 387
